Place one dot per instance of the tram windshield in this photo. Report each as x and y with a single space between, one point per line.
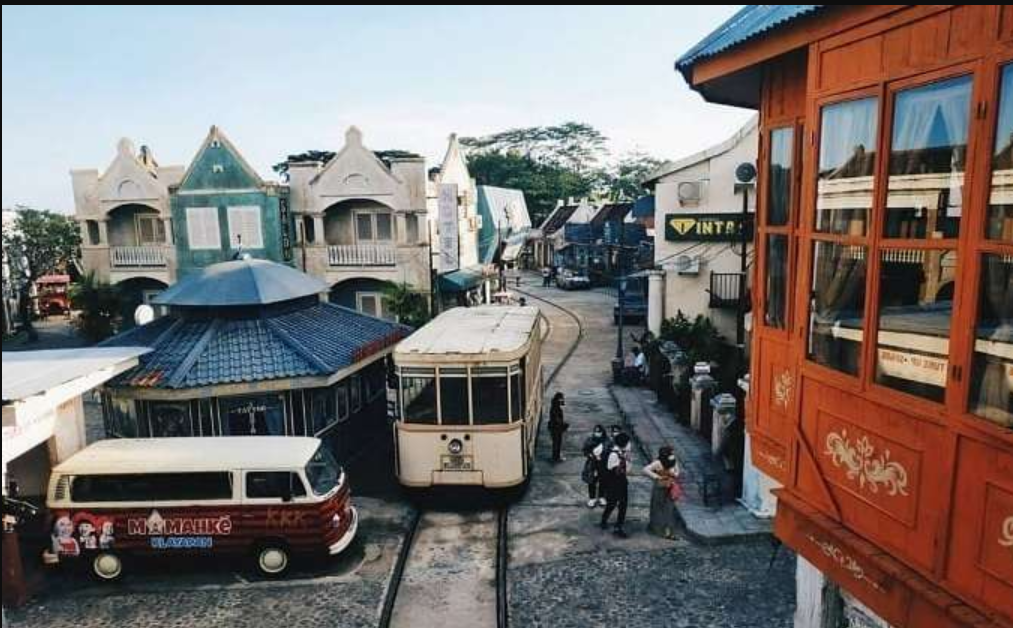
487 395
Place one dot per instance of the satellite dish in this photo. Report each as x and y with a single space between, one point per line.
144 314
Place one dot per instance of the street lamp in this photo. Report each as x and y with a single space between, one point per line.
745 177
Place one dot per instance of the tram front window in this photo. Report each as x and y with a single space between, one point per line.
454 396
489 392
517 394
418 390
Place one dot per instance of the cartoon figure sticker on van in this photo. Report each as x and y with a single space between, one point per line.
72 535
179 532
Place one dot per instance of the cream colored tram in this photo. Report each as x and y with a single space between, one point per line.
469 398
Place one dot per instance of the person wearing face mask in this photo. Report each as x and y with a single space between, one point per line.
557 426
617 485
594 447
665 472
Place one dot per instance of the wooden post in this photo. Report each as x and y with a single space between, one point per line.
15 591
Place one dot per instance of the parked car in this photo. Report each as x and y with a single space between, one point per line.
572 280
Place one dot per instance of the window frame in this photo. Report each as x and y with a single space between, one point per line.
789 230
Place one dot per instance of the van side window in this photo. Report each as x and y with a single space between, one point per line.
152 487
274 484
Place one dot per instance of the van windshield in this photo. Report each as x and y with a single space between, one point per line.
323 472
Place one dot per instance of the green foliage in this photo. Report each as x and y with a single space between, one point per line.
553 162
99 305
542 183
324 156
698 338
39 243
410 307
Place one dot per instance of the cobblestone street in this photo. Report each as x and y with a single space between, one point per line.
564 570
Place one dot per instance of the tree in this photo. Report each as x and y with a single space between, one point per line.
409 306
541 183
624 178
99 305
39 243
573 146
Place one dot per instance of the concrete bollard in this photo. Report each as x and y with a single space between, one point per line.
702 386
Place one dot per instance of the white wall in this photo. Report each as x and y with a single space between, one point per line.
714 171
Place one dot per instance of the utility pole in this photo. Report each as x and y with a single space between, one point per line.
745 175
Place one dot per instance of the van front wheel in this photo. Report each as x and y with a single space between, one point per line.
272 559
107 566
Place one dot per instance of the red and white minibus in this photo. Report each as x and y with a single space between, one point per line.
267 497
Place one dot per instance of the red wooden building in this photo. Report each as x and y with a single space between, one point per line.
883 357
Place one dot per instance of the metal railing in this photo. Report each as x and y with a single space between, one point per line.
362 255
726 289
150 256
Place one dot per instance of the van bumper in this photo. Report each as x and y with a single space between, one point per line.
349 536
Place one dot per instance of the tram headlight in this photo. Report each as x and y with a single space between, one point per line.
455 447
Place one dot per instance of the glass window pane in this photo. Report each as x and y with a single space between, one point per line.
847 164
454 396
927 158
489 390
262 415
1000 205
992 377
364 227
419 398
274 485
170 419
321 408
782 144
368 304
837 316
776 300
517 396
384 227
412 229
915 308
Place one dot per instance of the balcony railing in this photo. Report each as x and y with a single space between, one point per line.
362 255
726 290
152 256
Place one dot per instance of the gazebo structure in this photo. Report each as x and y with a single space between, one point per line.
249 347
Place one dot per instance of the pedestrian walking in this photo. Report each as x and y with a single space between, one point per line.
617 485
546 276
665 473
594 451
557 426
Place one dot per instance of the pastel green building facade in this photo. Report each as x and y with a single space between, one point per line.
222 207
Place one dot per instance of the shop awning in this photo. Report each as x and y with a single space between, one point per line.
462 280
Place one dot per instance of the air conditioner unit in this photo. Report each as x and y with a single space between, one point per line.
690 192
687 265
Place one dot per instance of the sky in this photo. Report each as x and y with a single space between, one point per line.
280 80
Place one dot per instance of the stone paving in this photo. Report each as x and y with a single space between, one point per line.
564 571
655 426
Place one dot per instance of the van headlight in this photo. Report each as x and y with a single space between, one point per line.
455 447
336 521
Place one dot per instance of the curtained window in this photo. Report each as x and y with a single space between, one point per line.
836 320
848 133
1000 206
992 377
779 169
927 160
776 301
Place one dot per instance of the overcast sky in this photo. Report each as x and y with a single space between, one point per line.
282 80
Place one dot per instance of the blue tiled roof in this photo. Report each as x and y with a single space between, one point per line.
750 22
314 341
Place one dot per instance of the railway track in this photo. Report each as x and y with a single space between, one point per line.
483 532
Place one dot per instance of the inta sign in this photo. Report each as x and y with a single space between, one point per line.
708 227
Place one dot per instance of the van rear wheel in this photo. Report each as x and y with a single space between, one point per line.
107 566
273 559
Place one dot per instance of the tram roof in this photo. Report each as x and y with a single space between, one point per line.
488 331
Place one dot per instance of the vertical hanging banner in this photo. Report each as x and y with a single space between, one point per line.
448 227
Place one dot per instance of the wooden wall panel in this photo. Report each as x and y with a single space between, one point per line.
980 561
970 27
784 88
851 63
886 472
1006 23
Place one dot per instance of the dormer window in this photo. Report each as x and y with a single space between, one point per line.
217 169
216 144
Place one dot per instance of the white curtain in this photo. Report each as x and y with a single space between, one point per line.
917 110
844 128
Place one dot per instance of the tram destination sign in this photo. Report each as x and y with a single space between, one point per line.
708 227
